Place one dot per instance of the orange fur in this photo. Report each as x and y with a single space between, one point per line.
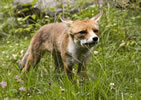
69 42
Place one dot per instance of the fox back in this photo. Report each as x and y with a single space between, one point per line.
70 42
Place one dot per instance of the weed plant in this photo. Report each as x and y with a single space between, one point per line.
115 63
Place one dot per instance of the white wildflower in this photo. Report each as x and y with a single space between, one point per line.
9 73
112 84
46 16
122 44
8 42
22 52
14 56
25 38
95 52
3 52
62 89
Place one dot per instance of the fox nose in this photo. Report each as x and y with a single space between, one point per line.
95 39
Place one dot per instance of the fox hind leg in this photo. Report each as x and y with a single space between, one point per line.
32 59
58 61
24 59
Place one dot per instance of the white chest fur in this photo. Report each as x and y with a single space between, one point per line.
72 49
77 53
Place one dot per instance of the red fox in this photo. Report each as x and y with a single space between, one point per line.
70 42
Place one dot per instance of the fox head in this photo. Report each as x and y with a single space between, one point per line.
84 32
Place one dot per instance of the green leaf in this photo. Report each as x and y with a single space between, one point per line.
34 17
34 2
19 30
24 9
24 19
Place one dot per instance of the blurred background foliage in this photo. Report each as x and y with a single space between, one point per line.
115 63
21 21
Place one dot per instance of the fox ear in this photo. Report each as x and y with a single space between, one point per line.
97 17
67 22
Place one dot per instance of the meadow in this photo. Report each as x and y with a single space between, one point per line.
115 62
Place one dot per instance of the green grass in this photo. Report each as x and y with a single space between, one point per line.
116 68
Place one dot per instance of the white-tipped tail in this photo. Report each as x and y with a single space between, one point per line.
23 61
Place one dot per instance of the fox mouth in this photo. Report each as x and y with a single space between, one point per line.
90 44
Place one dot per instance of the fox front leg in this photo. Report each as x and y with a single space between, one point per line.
68 70
82 71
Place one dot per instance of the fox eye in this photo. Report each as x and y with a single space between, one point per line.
95 31
82 32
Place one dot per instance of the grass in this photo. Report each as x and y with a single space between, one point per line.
116 68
